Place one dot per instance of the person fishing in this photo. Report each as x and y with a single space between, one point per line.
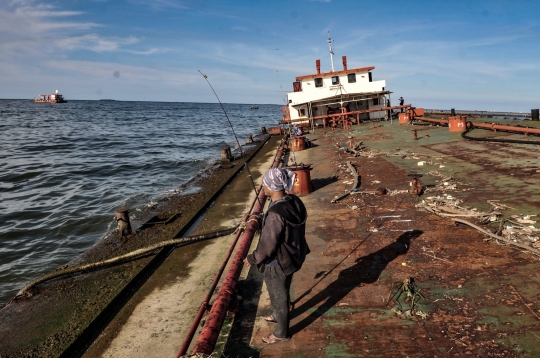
282 247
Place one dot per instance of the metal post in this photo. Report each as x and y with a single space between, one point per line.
122 219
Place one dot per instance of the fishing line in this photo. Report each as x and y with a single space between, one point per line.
285 102
237 141
281 87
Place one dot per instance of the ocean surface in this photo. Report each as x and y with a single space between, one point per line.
65 168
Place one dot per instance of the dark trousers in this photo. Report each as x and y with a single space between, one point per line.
278 285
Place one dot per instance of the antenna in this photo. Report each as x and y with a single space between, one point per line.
331 51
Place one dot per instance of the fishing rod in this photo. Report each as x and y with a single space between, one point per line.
236 137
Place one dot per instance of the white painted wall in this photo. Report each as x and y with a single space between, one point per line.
310 93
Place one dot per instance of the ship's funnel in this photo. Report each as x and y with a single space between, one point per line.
344 58
318 65
56 91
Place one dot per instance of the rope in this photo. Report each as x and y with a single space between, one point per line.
123 258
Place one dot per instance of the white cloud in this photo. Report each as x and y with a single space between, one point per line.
161 4
94 43
28 29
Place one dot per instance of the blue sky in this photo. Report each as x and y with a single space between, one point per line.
436 54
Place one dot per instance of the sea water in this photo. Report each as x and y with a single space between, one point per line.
65 168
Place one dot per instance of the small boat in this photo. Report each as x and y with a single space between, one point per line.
254 107
50 98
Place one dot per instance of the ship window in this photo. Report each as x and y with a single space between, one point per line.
335 80
302 112
318 82
375 101
351 77
370 79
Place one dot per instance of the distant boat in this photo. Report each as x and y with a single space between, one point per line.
50 98
254 107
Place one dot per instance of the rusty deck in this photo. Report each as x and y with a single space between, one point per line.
480 298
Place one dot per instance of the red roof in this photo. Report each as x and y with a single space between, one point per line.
336 73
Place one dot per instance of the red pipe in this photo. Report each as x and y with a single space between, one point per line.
210 332
439 121
382 109
506 128
492 126
204 304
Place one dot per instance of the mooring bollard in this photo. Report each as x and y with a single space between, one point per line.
224 154
226 157
263 130
122 219
416 184
302 182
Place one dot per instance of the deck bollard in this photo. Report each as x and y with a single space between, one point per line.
226 157
298 143
122 219
457 124
416 184
302 182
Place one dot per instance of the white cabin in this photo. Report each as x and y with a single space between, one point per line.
349 90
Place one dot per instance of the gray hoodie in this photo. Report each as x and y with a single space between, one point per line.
283 235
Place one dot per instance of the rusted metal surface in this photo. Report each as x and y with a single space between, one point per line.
499 127
481 299
122 219
457 124
404 118
274 130
302 183
205 303
298 143
434 120
214 322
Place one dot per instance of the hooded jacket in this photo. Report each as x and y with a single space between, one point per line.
283 235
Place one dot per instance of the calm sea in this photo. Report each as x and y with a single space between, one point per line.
65 168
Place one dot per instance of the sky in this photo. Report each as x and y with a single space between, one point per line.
475 55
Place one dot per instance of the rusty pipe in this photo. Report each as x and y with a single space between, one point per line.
494 126
214 322
432 120
204 304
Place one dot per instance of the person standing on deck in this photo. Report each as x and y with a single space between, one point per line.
401 101
282 247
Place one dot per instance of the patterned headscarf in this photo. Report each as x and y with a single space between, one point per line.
277 179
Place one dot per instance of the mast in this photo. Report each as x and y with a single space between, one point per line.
331 51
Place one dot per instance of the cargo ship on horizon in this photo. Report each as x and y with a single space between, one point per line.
50 98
